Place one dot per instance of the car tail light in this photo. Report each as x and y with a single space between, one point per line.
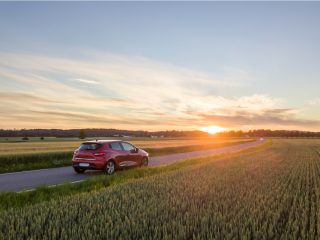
100 154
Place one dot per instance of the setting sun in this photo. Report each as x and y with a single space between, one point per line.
212 129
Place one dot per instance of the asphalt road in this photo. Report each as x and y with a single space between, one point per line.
26 180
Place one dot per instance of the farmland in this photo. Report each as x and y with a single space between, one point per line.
269 194
18 156
56 145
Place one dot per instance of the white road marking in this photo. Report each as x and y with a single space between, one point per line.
50 186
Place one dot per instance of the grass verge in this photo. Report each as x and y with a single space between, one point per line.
10 200
22 162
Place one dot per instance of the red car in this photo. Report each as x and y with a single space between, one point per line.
108 155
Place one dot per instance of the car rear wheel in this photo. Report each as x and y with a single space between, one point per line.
79 170
110 167
145 162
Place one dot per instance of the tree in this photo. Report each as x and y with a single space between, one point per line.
82 134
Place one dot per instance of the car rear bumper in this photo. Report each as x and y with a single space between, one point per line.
88 165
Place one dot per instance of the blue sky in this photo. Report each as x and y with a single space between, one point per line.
160 65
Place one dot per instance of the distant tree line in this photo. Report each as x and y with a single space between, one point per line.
82 133
268 133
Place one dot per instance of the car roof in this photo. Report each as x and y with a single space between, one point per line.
103 141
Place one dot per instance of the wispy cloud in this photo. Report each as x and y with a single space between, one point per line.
23 97
87 81
107 90
264 120
315 101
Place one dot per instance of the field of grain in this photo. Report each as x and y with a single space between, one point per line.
271 194
19 156
7 148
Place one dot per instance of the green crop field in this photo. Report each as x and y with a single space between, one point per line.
54 145
19 156
268 194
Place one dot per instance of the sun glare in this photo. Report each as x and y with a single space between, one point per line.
212 129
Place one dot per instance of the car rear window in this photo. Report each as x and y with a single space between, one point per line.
89 146
116 146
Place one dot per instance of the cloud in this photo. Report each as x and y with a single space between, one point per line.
220 105
315 101
128 92
23 97
269 118
87 81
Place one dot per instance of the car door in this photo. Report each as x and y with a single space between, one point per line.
119 154
133 157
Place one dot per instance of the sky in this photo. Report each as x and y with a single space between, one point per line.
160 65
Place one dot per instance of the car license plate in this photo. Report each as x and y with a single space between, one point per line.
84 164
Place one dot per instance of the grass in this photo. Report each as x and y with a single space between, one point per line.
15 163
18 200
17 148
269 194
190 148
65 139
28 161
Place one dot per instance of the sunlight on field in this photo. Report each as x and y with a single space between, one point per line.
272 192
59 146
